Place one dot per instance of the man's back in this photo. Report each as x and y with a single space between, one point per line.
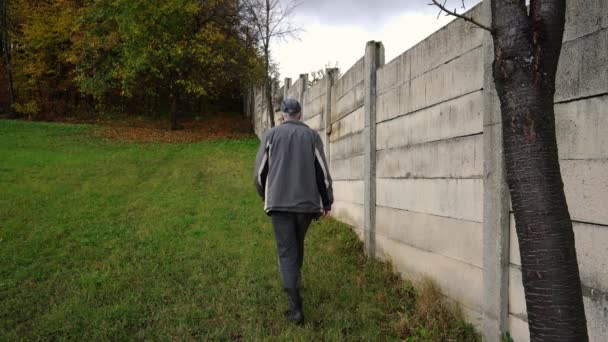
291 172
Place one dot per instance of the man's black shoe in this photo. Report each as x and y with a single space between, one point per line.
294 314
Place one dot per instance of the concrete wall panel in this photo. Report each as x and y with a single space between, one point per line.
459 77
441 46
582 128
582 70
585 17
387 76
596 310
456 239
315 91
347 169
586 186
348 103
518 329
350 78
314 107
352 123
454 158
349 191
294 90
349 213
347 147
388 104
517 299
455 118
455 198
315 122
459 281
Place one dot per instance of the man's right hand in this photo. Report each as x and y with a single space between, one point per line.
326 212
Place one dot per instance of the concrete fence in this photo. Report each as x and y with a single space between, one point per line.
415 150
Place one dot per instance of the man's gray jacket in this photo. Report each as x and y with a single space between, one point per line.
291 172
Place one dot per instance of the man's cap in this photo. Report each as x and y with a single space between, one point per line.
290 106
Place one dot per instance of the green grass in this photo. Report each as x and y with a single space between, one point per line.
113 241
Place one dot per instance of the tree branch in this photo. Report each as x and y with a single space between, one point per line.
464 17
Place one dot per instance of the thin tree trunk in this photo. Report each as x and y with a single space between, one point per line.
268 89
527 49
173 95
7 58
268 83
174 123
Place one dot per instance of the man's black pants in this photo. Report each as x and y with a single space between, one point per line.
289 232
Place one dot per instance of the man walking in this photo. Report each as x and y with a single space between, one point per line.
292 177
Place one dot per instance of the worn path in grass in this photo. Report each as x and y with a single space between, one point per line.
103 240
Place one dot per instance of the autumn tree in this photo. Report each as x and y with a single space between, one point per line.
140 57
186 48
42 56
269 20
527 46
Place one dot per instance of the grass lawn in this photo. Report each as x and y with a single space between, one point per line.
103 240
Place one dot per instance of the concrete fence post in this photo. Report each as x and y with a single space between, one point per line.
330 75
374 59
496 205
302 92
286 87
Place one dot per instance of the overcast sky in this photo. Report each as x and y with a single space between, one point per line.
336 31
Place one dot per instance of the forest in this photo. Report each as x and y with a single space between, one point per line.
157 59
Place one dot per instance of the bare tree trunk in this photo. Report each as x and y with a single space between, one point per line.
268 83
527 50
268 89
7 57
174 97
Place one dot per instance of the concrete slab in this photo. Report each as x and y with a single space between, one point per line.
347 147
585 17
315 91
352 123
454 198
582 70
387 76
295 90
314 107
460 76
459 281
455 118
453 158
518 329
582 128
517 299
596 311
347 169
315 122
349 102
452 238
441 46
348 191
349 213
586 186
592 253
350 78
388 104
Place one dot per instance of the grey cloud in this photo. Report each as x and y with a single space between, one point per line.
367 13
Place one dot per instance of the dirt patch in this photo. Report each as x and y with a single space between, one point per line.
207 128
